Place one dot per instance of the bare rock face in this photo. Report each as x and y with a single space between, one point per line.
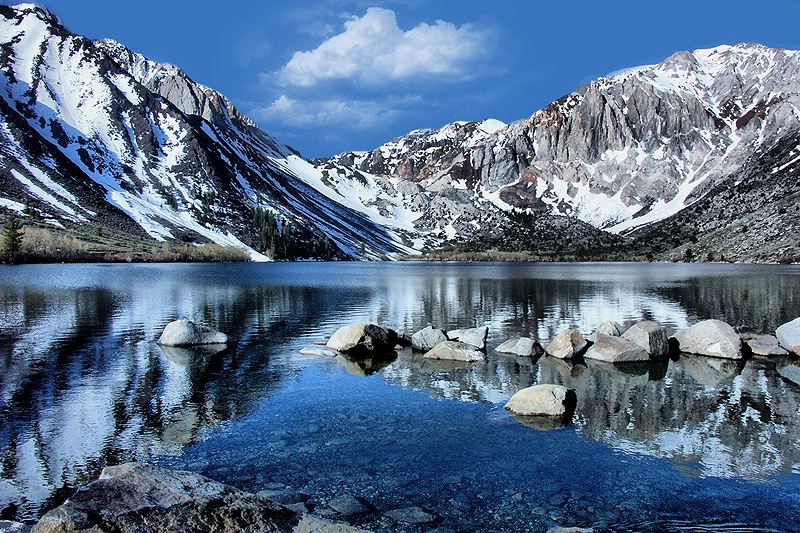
135 498
523 347
456 351
425 339
363 339
711 337
650 336
789 336
184 332
616 350
567 344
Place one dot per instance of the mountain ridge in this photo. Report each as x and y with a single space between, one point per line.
98 137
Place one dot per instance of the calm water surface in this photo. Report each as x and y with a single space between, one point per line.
691 444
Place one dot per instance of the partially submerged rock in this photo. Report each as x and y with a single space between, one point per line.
456 351
789 336
567 344
790 372
363 339
473 336
521 346
184 332
135 498
650 336
710 337
764 345
613 349
541 400
425 339
609 327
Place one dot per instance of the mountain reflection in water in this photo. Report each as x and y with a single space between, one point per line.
83 384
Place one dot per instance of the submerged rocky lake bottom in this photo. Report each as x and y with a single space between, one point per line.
687 443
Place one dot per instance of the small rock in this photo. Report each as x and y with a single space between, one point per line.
765 345
349 505
789 336
710 337
473 336
7 526
523 347
609 327
425 339
567 344
456 351
542 400
184 332
650 336
570 530
283 497
411 515
616 350
358 339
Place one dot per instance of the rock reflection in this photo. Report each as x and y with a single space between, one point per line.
365 366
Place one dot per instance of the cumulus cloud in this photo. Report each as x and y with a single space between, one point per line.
374 50
356 114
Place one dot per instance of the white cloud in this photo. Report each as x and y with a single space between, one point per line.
351 114
373 50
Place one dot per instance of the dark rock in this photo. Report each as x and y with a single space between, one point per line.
362 339
349 505
134 498
650 336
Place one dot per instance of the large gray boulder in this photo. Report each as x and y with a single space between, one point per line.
184 332
567 344
650 336
546 400
425 339
456 351
363 339
473 336
710 337
135 498
789 335
615 350
522 346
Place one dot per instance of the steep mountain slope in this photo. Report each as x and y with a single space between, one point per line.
623 152
93 134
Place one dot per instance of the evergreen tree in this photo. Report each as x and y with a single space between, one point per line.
12 236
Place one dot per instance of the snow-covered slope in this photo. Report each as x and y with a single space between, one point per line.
93 133
622 152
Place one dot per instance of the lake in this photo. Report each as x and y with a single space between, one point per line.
684 444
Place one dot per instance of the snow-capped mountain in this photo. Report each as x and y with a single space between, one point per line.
93 134
624 152
96 138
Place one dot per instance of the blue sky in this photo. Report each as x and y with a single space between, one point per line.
325 76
